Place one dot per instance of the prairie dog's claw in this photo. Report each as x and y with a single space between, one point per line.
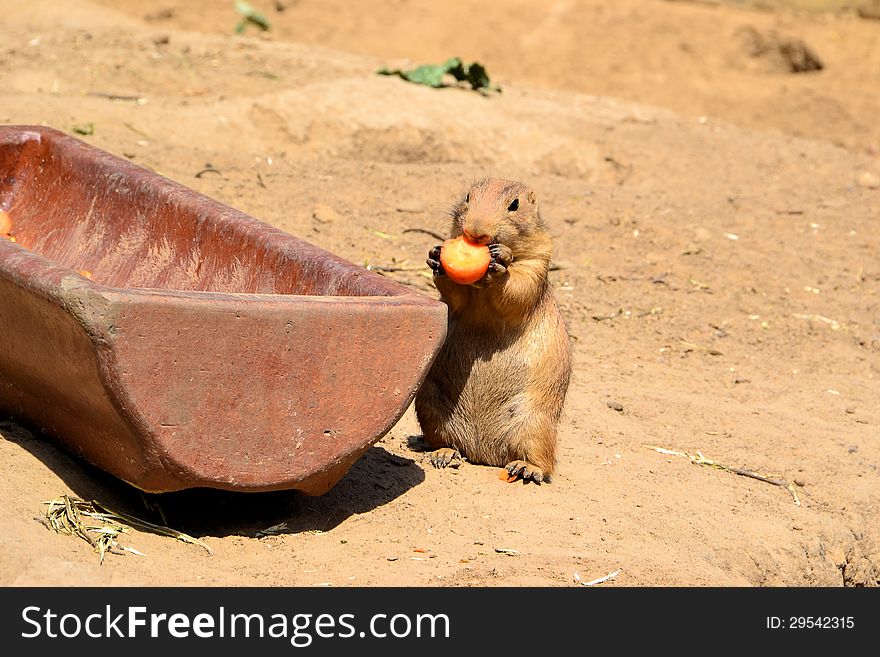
501 257
446 457
525 470
434 263
501 254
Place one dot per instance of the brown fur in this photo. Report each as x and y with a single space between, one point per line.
496 390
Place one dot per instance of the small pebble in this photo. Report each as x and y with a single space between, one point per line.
324 214
851 410
869 180
615 406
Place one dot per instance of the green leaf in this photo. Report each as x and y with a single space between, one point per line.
431 75
84 129
250 15
428 75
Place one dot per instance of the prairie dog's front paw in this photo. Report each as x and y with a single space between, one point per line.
434 263
501 256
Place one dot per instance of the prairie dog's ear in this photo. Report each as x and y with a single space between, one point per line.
531 197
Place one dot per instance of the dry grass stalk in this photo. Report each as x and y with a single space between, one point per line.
699 459
71 516
100 527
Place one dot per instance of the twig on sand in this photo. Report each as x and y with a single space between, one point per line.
599 580
149 526
833 323
140 100
436 236
699 459
510 552
690 346
207 169
136 130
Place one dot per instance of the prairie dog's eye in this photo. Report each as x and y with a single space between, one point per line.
514 205
467 198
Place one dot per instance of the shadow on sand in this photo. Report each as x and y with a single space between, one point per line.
377 478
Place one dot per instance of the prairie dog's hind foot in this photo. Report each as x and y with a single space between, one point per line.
446 457
527 471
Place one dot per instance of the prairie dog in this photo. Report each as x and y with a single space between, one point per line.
496 390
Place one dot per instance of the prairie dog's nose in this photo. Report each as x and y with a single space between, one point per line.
477 237
476 229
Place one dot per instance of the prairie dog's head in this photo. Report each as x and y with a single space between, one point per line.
496 211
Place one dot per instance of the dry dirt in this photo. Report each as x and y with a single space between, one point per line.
715 217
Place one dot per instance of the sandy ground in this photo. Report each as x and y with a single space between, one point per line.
715 219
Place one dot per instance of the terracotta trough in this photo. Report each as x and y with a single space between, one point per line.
176 342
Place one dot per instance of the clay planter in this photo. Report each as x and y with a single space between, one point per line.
176 342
